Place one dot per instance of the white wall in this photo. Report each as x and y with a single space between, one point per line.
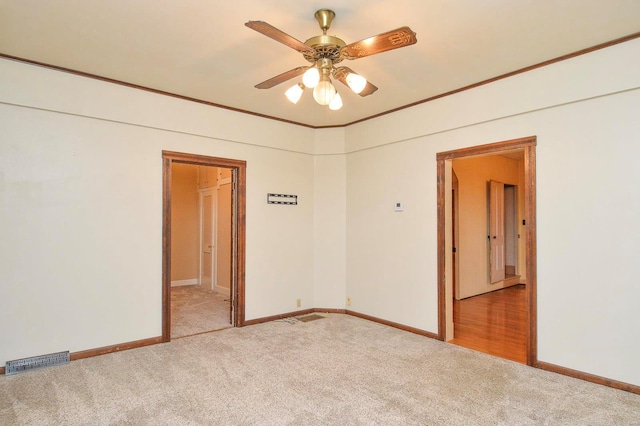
584 112
330 198
391 254
79 157
81 208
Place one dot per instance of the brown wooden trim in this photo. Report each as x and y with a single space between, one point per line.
490 148
279 316
507 75
528 145
588 377
329 310
238 229
531 251
109 349
393 324
148 89
432 98
441 229
202 160
203 332
166 249
293 314
115 348
240 238
541 365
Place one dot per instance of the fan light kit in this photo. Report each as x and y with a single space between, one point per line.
324 52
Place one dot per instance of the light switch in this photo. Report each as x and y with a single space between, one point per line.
398 206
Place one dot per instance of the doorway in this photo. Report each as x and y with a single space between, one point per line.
446 244
201 249
231 183
214 187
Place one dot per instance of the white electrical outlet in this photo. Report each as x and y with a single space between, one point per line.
348 301
298 302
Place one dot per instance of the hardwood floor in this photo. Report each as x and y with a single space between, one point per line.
494 323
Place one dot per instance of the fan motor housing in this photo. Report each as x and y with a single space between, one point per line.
325 46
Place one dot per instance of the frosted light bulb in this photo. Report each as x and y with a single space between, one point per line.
336 102
356 82
324 92
294 93
311 77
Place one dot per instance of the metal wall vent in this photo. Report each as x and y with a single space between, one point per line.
36 362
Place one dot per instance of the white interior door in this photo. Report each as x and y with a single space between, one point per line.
496 231
207 248
511 229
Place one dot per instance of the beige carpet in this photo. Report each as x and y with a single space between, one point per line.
339 370
197 310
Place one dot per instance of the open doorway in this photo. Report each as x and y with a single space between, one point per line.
201 216
450 257
203 248
215 214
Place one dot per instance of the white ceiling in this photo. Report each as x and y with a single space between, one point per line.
201 49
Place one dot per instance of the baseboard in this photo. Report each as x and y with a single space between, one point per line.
394 324
178 283
511 281
329 310
222 290
277 317
541 365
108 349
115 348
588 377
343 311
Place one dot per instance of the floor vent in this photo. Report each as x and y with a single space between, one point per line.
311 317
36 362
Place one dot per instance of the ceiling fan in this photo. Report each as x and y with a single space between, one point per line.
324 52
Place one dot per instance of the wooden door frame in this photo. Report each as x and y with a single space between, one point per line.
455 234
239 173
528 145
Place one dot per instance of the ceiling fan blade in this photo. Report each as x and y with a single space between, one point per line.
340 74
277 35
274 81
390 40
